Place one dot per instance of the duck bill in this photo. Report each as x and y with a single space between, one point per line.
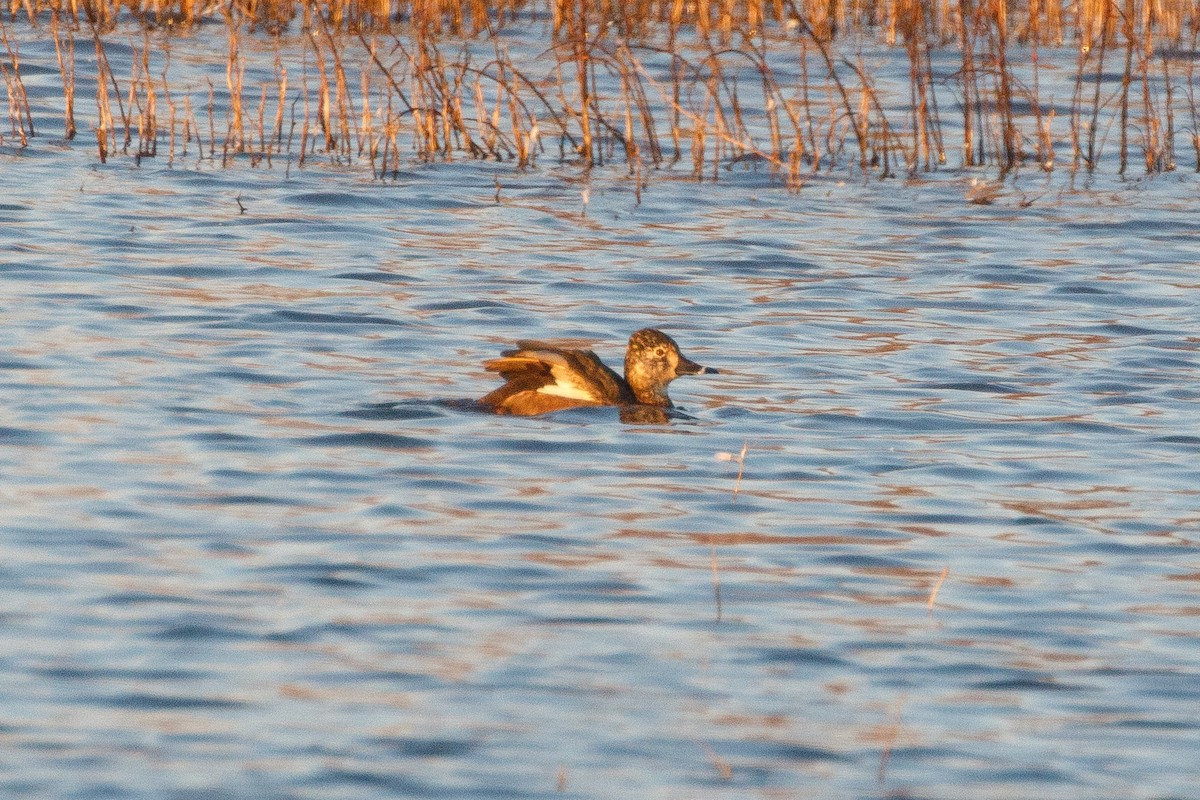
689 367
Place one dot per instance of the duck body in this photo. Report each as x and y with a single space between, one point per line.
540 378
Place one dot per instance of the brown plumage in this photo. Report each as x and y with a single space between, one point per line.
540 377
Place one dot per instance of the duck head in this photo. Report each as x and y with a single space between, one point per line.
652 361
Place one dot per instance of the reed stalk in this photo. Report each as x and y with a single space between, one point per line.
366 122
212 123
971 104
1009 150
577 25
1167 162
260 152
104 118
913 28
1126 80
281 83
144 100
64 51
190 128
1193 109
1041 122
19 113
235 73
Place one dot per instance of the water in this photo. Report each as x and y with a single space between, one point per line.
250 551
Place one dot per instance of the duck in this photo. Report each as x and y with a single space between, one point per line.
540 378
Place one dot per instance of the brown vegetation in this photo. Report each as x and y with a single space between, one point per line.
793 86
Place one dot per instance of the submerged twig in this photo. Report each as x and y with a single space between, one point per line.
937 587
740 458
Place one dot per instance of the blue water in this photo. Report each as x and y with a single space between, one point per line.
252 548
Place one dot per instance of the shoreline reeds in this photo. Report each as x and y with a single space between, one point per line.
790 86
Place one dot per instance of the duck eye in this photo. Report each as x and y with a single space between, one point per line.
660 351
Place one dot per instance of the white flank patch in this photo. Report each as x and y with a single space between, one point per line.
573 392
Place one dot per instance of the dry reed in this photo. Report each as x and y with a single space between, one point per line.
785 84
20 116
64 50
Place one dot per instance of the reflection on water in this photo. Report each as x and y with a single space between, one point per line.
252 551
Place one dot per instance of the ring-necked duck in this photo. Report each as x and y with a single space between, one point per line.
541 378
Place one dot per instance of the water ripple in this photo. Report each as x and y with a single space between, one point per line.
931 532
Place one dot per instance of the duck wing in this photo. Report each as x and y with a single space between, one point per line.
572 374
